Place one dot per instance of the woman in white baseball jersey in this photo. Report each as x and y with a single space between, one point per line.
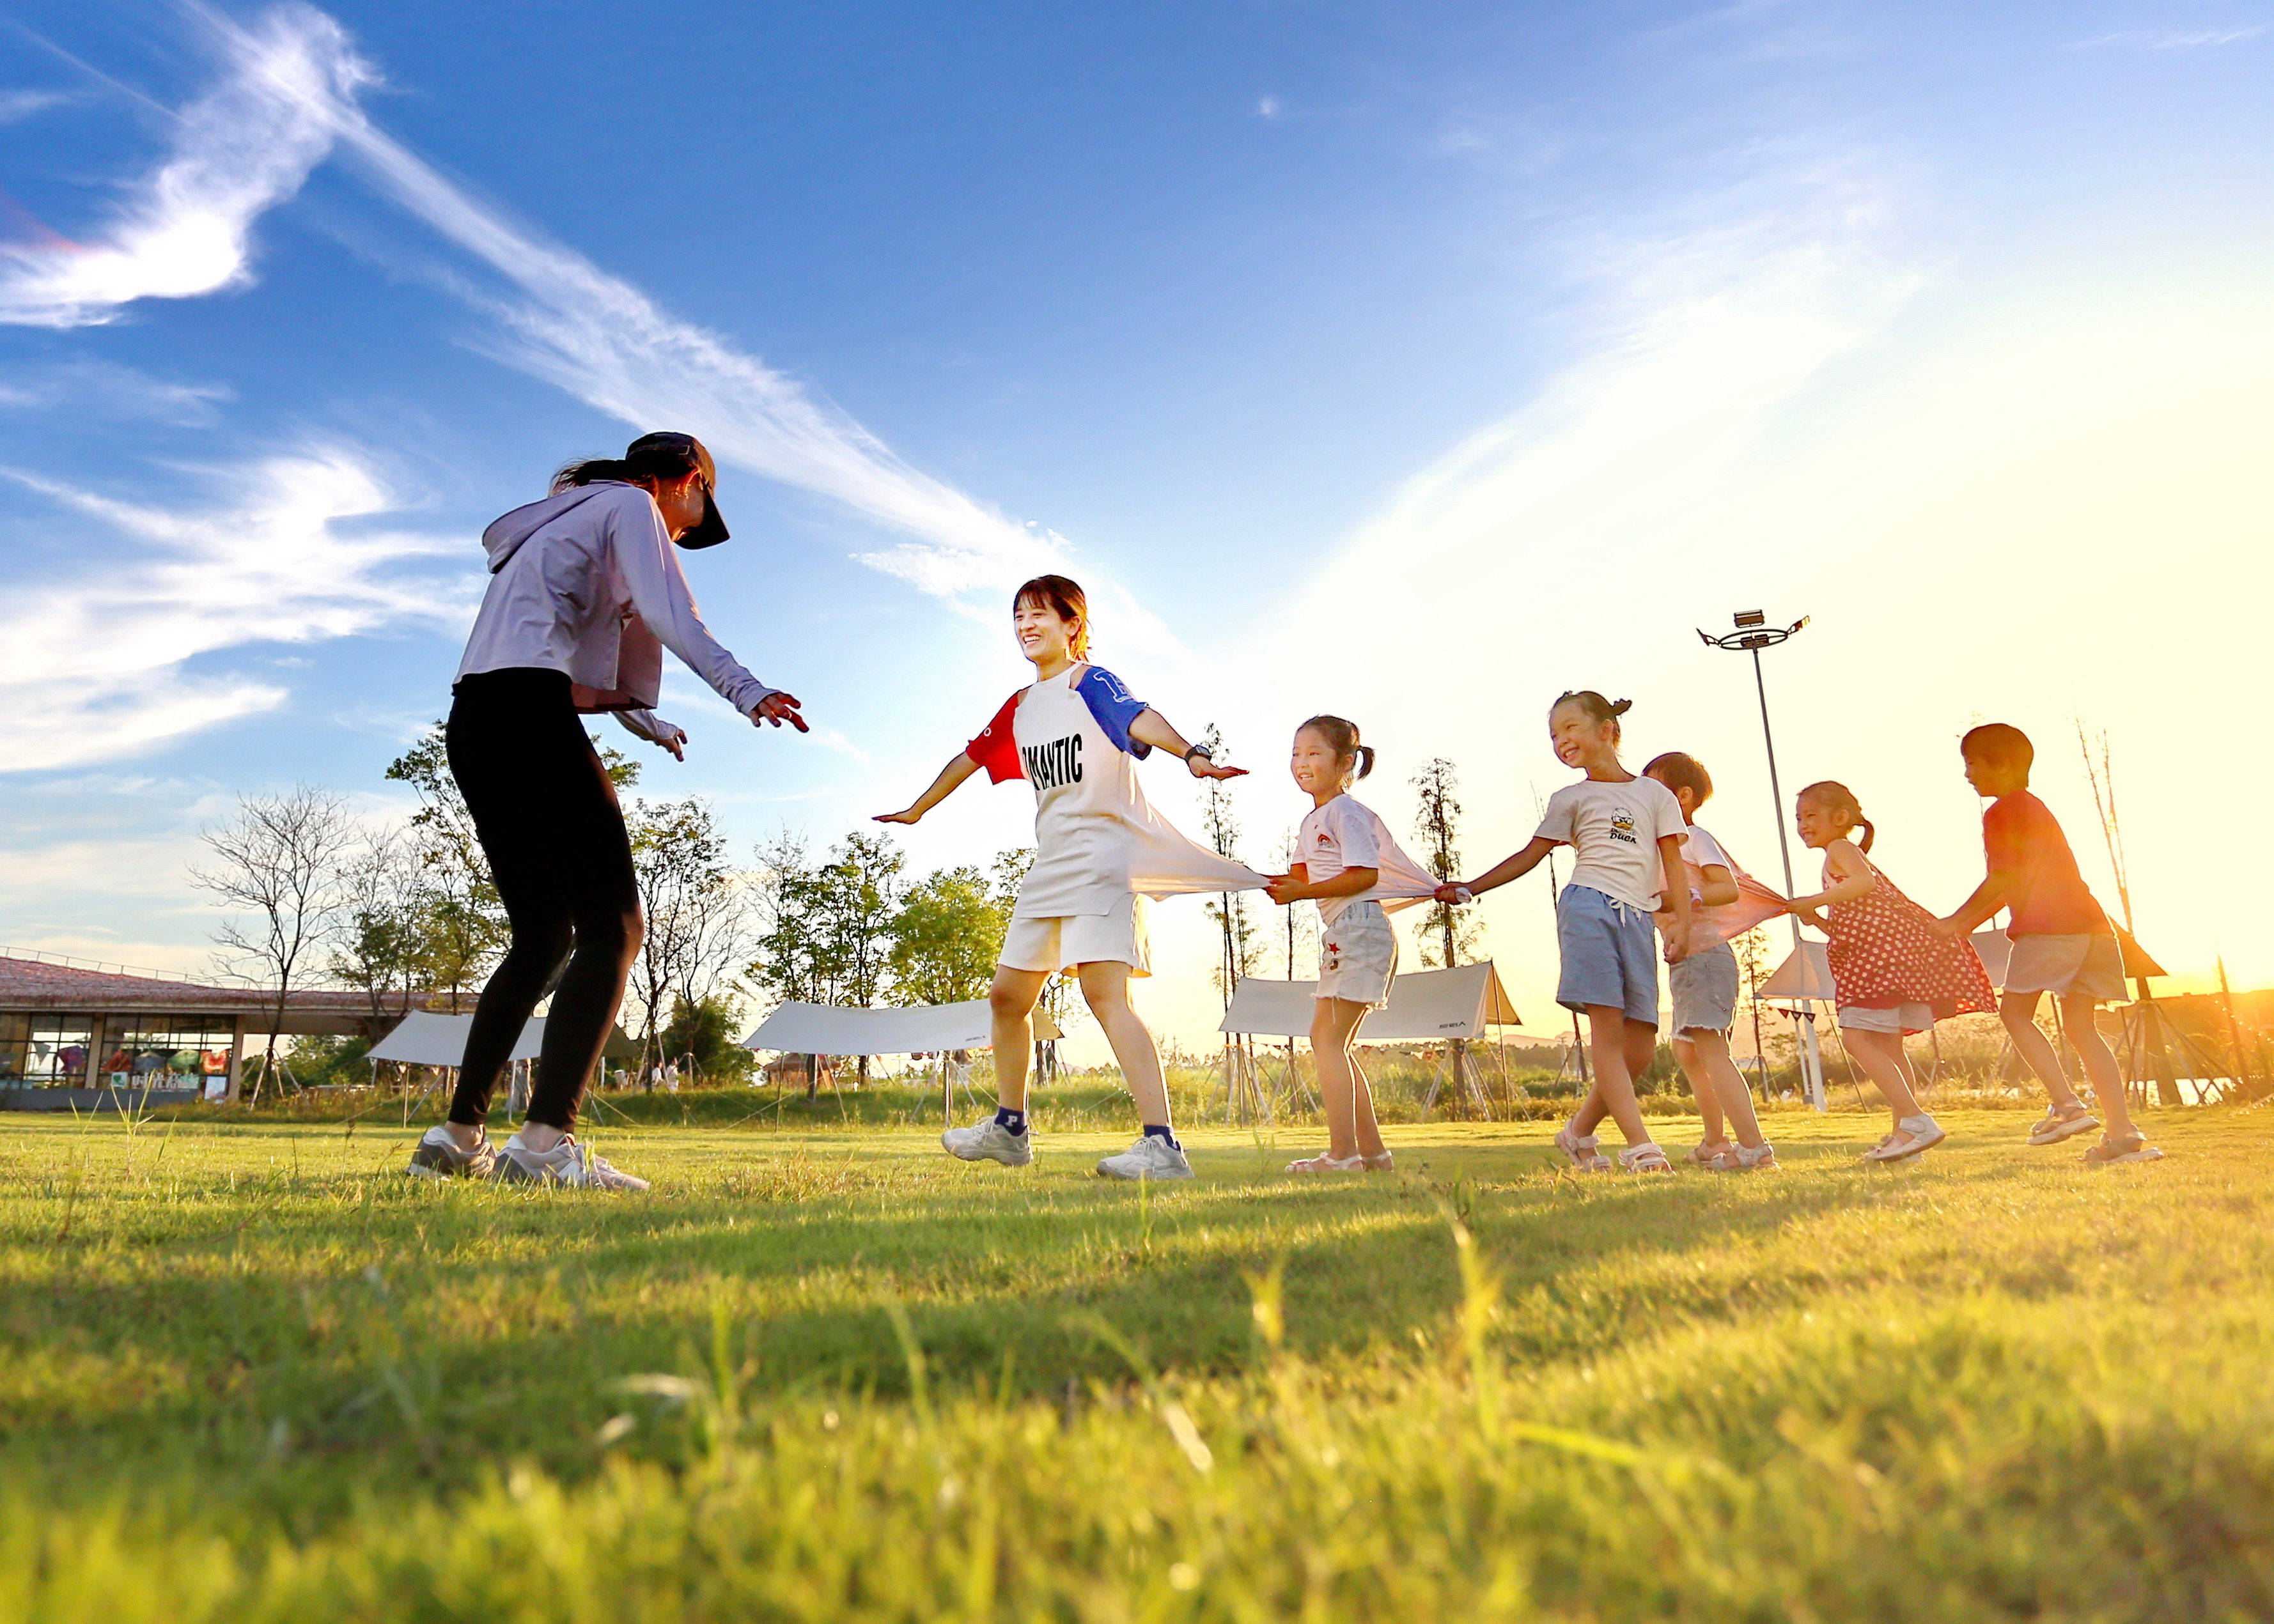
1348 863
1100 850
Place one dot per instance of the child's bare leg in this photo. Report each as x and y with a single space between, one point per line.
1713 1130
1010 1017
2100 1069
1333 1021
1641 1046
1105 989
1726 1083
1880 1054
2018 1011
1369 1130
1606 1039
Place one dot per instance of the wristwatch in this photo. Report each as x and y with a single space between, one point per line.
1198 750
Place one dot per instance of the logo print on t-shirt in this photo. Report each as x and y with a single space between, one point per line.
1623 827
1052 766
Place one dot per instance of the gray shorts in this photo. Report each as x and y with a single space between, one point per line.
1705 990
2066 965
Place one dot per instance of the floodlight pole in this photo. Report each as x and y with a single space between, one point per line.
1752 635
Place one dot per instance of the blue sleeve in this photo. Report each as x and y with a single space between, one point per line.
1114 709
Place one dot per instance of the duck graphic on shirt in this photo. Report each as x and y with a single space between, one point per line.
1623 827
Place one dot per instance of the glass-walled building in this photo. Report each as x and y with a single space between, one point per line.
75 1035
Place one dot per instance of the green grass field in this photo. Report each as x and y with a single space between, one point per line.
252 1373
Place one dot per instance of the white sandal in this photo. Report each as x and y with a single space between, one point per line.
1580 1147
1327 1162
1379 1165
1644 1158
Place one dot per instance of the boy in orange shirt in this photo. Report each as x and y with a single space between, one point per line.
2062 943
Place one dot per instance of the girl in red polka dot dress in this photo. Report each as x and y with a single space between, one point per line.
1893 971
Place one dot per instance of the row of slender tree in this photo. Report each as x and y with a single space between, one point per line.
404 912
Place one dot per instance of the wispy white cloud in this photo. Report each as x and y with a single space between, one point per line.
92 387
99 663
16 106
2166 39
600 338
184 230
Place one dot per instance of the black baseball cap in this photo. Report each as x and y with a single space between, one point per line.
672 455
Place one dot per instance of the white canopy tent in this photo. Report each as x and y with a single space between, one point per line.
924 1029
425 1039
842 1029
1424 1007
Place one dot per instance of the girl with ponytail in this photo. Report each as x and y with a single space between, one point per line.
1349 862
1893 972
1625 833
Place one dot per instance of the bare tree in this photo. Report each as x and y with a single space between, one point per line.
280 862
679 861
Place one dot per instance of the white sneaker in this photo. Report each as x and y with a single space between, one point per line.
1150 1157
990 1142
566 1163
439 1156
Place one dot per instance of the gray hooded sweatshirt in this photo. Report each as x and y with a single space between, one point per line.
586 582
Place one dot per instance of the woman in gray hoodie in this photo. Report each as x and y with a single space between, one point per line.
584 594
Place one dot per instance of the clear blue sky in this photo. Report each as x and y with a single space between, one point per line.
1420 360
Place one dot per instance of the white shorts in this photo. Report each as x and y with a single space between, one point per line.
1053 945
1901 1021
1357 955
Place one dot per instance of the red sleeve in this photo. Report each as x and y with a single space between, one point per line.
995 748
2005 838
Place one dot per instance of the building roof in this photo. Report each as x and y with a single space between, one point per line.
38 985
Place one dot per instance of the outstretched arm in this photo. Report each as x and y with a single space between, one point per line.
950 777
1851 878
1151 727
1512 867
1995 891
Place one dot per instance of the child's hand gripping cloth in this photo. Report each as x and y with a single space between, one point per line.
1726 921
1096 839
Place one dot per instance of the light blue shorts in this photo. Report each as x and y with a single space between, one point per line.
1610 954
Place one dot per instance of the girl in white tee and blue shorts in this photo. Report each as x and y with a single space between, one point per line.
1625 833
1348 863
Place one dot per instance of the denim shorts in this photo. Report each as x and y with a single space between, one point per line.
1610 954
1704 990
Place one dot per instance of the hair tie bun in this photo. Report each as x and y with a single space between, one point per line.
1621 707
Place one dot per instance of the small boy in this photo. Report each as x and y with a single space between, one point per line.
2062 943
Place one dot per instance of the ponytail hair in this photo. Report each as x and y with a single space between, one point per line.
1677 770
1841 802
1063 599
1598 708
654 456
1342 739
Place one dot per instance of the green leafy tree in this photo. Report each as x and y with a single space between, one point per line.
704 1037
945 938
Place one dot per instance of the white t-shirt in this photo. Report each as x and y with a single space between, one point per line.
1614 831
1343 835
1700 851
1096 837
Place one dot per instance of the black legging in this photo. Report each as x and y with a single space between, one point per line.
554 833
